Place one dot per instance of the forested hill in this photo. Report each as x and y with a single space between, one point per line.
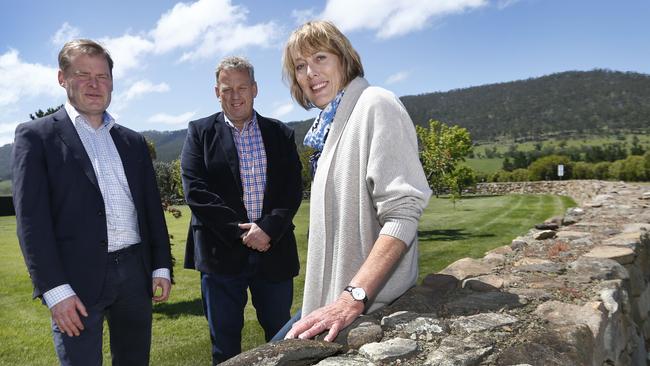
593 102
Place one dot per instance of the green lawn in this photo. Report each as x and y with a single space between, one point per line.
180 334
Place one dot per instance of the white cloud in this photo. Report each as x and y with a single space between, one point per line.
209 27
143 87
64 34
127 52
283 109
235 37
392 18
168 119
19 79
397 77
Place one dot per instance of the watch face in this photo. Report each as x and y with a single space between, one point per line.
358 293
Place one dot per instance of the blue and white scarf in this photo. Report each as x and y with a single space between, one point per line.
317 134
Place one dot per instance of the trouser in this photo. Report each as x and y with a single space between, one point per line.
126 304
225 297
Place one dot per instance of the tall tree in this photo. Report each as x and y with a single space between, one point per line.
441 149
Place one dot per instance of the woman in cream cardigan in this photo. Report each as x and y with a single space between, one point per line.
369 188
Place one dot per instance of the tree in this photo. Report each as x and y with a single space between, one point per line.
441 149
546 168
151 146
39 113
168 176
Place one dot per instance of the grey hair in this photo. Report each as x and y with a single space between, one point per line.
236 63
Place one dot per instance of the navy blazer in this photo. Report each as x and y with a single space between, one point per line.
213 191
60 215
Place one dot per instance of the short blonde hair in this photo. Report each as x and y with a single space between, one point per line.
313 37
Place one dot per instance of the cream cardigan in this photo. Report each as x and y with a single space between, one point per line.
369 181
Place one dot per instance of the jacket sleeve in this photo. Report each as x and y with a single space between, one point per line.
280 217
160 248
35 228
206 205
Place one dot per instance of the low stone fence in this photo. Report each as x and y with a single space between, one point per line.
572 291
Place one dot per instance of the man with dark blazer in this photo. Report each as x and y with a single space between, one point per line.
89 217
242 180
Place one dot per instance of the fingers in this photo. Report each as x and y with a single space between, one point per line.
66 315
165 288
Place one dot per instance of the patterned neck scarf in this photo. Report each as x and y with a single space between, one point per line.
317 134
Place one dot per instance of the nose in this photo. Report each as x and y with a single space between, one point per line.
311 71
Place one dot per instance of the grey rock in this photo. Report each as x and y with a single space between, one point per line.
455 351
544 234
481 322
597 269
291 352
481 302
355 360
365 333
389 350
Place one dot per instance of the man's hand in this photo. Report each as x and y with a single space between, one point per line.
164 285
66 315
335 317
255 237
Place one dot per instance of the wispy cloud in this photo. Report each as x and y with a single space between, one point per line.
65 34
19 79
143 87
168 119
397 77
392 18
501 4
282 109
302 16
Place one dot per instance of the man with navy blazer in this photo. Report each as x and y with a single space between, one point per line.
242 180
89 217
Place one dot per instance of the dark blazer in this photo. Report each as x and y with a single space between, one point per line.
213 190
60 214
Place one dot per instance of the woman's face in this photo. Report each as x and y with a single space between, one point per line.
320 76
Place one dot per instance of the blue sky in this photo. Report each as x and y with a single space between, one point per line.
165 51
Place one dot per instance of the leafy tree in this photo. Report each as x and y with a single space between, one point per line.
463 177
304 155
520 175
152 149
39 113
168 176
601 170
636 148
582 170
546 168
441 149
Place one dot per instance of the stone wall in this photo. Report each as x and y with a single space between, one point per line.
572 291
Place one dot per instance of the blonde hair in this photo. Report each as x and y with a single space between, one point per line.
310 38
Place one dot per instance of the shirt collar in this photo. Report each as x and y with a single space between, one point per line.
252 122
108 120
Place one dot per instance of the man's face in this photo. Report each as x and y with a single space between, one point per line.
236 91
89 84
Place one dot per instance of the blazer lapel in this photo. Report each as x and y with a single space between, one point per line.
223 136
64 127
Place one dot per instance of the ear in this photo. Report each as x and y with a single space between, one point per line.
254 89
216 91
61 78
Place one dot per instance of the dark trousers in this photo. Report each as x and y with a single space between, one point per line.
224 300
126 304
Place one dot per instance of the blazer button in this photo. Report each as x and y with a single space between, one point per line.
103 242
100 213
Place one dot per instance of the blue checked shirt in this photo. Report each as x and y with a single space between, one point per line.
252 165
121 216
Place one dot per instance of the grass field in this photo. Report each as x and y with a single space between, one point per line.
180 335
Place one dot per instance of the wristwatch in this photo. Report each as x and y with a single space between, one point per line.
357 293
